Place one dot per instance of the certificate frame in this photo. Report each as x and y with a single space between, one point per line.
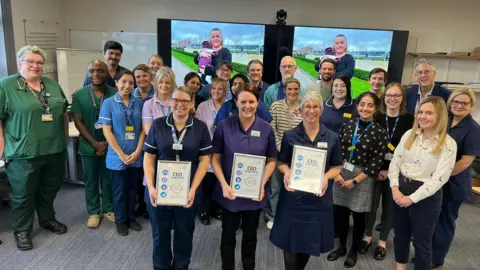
173 182
307 169
247 175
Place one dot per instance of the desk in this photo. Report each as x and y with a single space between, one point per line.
72 160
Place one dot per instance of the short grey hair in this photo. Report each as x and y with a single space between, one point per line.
311 95
33 49
420 61
162 72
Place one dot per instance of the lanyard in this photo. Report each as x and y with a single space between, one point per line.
163 111
42 97
128 112
177 143
95 103
355 138
388 129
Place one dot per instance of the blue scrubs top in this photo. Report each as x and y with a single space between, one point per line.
136 93
333 118
114 113
303 222
229 108
196 141
465 134
231 138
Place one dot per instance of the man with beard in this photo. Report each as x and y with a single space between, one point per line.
255 74
112 53
326 72
86 105
377 79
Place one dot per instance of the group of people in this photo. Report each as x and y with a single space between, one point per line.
411 148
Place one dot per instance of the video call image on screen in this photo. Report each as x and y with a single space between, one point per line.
369 48
200 46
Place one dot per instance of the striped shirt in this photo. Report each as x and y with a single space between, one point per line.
283 119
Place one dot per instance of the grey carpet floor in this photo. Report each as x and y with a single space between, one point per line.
82 248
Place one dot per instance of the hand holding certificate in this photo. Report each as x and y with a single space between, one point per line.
308 169
247 174
173 182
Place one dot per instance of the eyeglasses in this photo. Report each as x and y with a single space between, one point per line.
308 108
33 63
393 96
225 70
460 103
426 73
184 102
287 66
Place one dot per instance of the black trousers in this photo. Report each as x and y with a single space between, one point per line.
342 215
207 205
141 192
231 222
418 219
295 261
382 190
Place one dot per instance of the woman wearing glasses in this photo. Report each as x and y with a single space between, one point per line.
32 139
395 120
176 137
465 131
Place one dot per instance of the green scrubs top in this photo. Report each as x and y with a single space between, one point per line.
82 104
26 135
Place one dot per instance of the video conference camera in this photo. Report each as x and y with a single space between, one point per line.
281 17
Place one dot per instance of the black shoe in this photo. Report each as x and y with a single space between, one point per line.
436 266
364 247
24 240
351 260
380 253
134 225
218 214
204 219
56 227
141 209
122 229
334 255
145 215
1 242
379 227
412 260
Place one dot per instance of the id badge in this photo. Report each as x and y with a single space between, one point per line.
129 136
47 117
349 166
98 126
177 146
388 156
129 128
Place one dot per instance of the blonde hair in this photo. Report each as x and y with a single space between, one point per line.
187 91
222 82
421 61
33 49
440 127
290 81
461 91
383 99
162 72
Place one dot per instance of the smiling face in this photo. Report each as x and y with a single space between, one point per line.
377 81
311 111
224 72
112 57
292 91
216 39
425 75
393 98
31 66
97 73
461 105
255 72
247 105
217 92
164 86
426 116
125 85
288 67
193 84
339 89
143 79
182 104
154 64
327 71
366 108
236 83
340 45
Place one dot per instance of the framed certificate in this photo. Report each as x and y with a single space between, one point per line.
307 169
247 174
173 182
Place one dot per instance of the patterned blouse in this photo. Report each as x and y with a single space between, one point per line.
370 150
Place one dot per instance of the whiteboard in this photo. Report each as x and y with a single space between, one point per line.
137 47
72 67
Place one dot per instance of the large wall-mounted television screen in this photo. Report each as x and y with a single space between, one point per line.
369 48
199 46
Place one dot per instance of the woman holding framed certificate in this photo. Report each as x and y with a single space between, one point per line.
179 146
303 223
396 121
422 163
247 137
364 144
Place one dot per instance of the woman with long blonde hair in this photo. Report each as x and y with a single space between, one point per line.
421 165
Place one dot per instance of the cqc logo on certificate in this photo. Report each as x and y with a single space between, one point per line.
173 182
307 169
247 174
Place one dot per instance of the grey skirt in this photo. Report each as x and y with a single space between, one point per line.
357 199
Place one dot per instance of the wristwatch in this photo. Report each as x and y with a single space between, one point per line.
355 182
